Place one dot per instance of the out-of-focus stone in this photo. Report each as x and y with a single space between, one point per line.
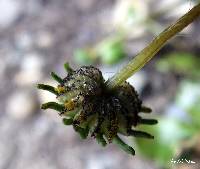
86 5
44 39
101 162
10 11
2 68
180 9
24 40
6 153
129 16
21 104
74 158
31 70
10 57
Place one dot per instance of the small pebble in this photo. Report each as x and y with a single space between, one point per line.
44 39
24 40
10 11
129 15
31 70
21 104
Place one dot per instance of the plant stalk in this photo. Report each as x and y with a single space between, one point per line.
148 52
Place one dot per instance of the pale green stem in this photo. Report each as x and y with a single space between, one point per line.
148 52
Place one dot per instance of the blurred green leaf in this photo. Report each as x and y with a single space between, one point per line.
184 63
111 51
168 135
84 56
188 99
194 111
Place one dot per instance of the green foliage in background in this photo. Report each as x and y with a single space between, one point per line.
84 56
190 101
109 52
171 132
179 62
168 134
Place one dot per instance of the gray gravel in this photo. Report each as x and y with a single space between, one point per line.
36 37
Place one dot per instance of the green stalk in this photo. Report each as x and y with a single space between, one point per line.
148 52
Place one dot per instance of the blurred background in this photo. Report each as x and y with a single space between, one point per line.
38 36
